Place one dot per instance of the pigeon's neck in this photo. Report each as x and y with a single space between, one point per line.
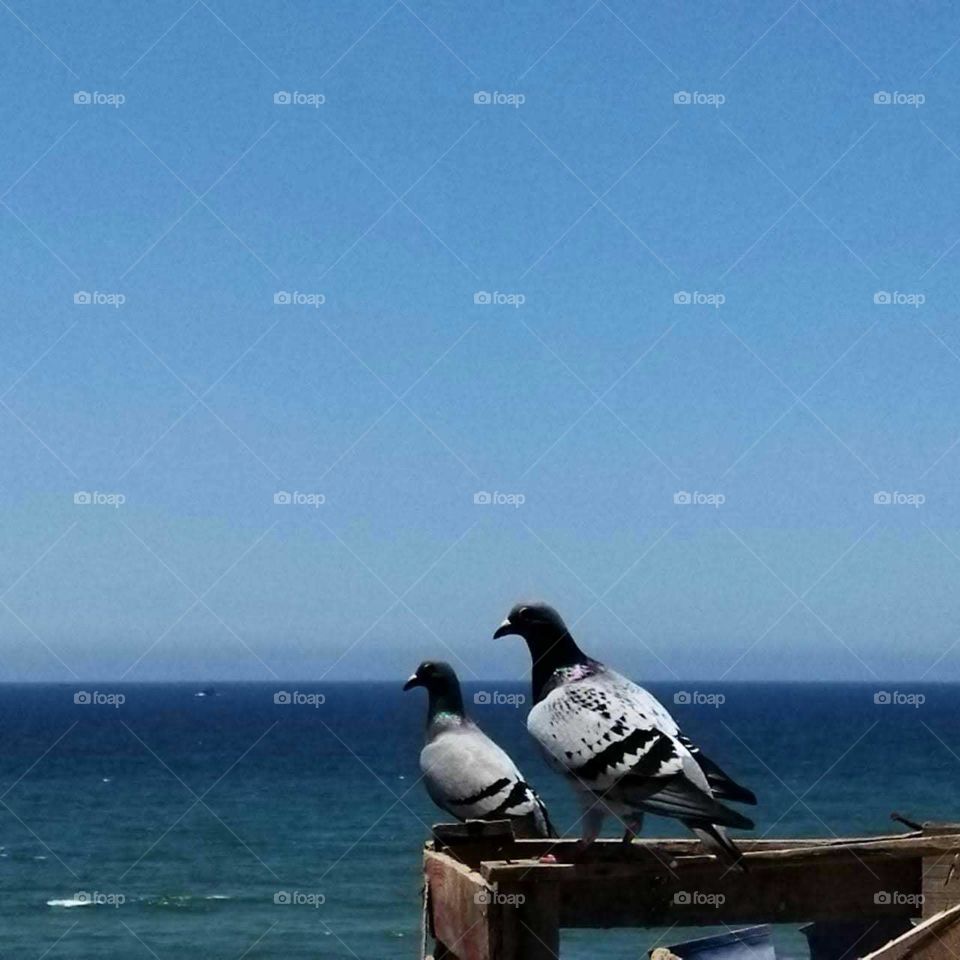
446 704
550 654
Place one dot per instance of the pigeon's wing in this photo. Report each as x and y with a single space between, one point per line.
617 740
468 775
597 732
722 785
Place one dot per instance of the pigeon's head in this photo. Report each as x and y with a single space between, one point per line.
534 622
436 676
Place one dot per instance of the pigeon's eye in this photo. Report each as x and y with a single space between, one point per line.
523 613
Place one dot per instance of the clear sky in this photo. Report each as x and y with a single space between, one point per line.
686 219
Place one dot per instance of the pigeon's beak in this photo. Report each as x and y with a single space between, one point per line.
414 681
504 629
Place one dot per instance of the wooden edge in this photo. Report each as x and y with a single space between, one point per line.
651 855
459 914
471 830
933 939
450 834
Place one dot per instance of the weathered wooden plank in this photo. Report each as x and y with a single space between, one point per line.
629 861
683 846
941 882
937 938
460 913
531 928
494 898
791 892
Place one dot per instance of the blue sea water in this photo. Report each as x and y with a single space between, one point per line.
190 817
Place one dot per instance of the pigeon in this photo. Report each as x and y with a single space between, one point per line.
465 772
620 749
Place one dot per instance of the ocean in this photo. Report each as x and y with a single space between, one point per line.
235 826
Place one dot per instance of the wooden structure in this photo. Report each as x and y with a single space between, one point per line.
489 896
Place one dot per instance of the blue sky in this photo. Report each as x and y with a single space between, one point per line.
783 202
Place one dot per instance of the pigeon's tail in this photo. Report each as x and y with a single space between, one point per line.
722 786
549 831
715 839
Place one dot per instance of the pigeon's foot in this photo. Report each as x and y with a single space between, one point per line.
634 826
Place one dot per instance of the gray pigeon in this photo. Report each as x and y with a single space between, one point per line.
465 772
621 750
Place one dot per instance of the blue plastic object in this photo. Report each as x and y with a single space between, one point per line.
751 943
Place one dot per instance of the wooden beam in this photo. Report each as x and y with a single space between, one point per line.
937 938
782 886
907 845
790 892
531 928
459 907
